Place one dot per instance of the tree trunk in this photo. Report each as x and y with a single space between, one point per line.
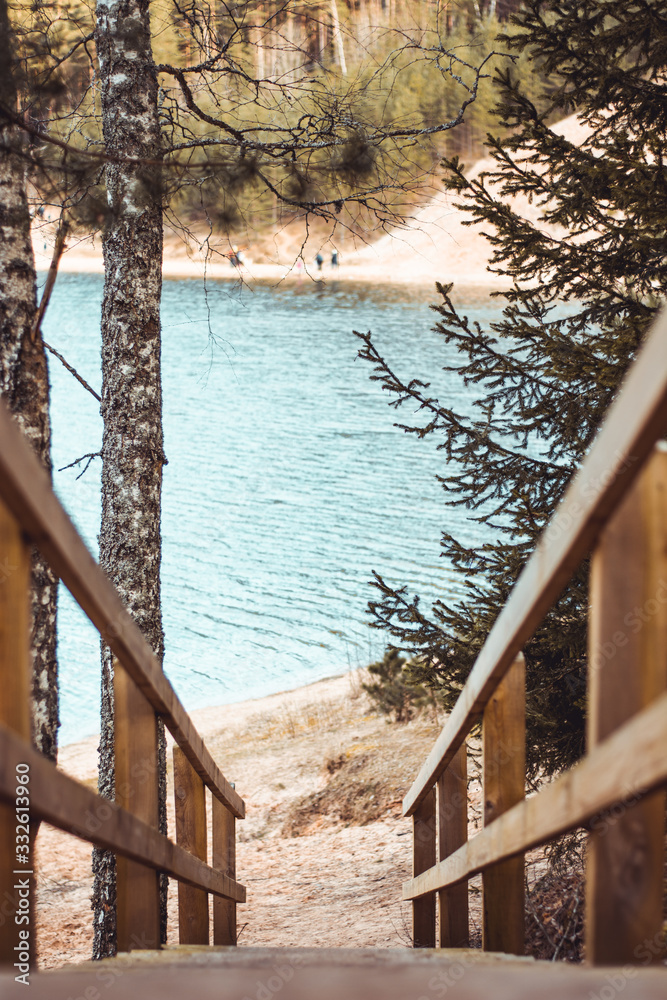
24 384
132 450
338 38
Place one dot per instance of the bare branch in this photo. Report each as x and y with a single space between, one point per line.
72 371
77 461
58 249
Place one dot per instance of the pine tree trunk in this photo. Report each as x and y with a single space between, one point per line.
132 451
24 384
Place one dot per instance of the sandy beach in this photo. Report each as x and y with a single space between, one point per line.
323 849
436 244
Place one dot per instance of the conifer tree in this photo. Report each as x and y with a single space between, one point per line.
586 281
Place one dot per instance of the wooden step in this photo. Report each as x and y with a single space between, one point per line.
201 973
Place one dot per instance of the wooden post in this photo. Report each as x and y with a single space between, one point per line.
16 878
627 669
190 800
452 834
224 860
423 858
136 771
504 777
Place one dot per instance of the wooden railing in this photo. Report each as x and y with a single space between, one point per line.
616 510
33 789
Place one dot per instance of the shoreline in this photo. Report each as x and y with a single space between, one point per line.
86 258
73 756
438 243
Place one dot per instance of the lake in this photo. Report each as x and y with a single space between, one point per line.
287 483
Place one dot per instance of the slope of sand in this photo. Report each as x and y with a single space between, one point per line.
439 244
436 245
323 850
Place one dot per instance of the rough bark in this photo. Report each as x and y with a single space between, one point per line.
24 383
132 449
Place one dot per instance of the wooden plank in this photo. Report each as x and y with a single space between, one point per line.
423 857
16 890
70 806
190 806
26 490
627 670
625 766
636 419
224 860
336 974
504 782
452 798
136 774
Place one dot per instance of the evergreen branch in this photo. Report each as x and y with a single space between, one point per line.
411 390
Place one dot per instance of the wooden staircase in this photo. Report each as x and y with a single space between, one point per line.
616 508
334 974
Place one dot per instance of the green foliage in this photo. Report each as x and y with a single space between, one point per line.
587 280
395 692
271 109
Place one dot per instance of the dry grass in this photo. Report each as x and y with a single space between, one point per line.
354 793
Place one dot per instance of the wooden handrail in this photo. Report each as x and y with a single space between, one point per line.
635 420
616 508
30 513
607 775
25 488
65 803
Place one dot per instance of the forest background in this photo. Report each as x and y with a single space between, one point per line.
389 76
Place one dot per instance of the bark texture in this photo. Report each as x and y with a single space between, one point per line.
132 447
24 384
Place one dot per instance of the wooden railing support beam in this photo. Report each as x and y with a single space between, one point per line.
16 890
504 778
69 806
190 803
423 858
453 833
224 860
136 773
627 669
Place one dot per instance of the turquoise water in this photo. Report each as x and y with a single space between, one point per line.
287 482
